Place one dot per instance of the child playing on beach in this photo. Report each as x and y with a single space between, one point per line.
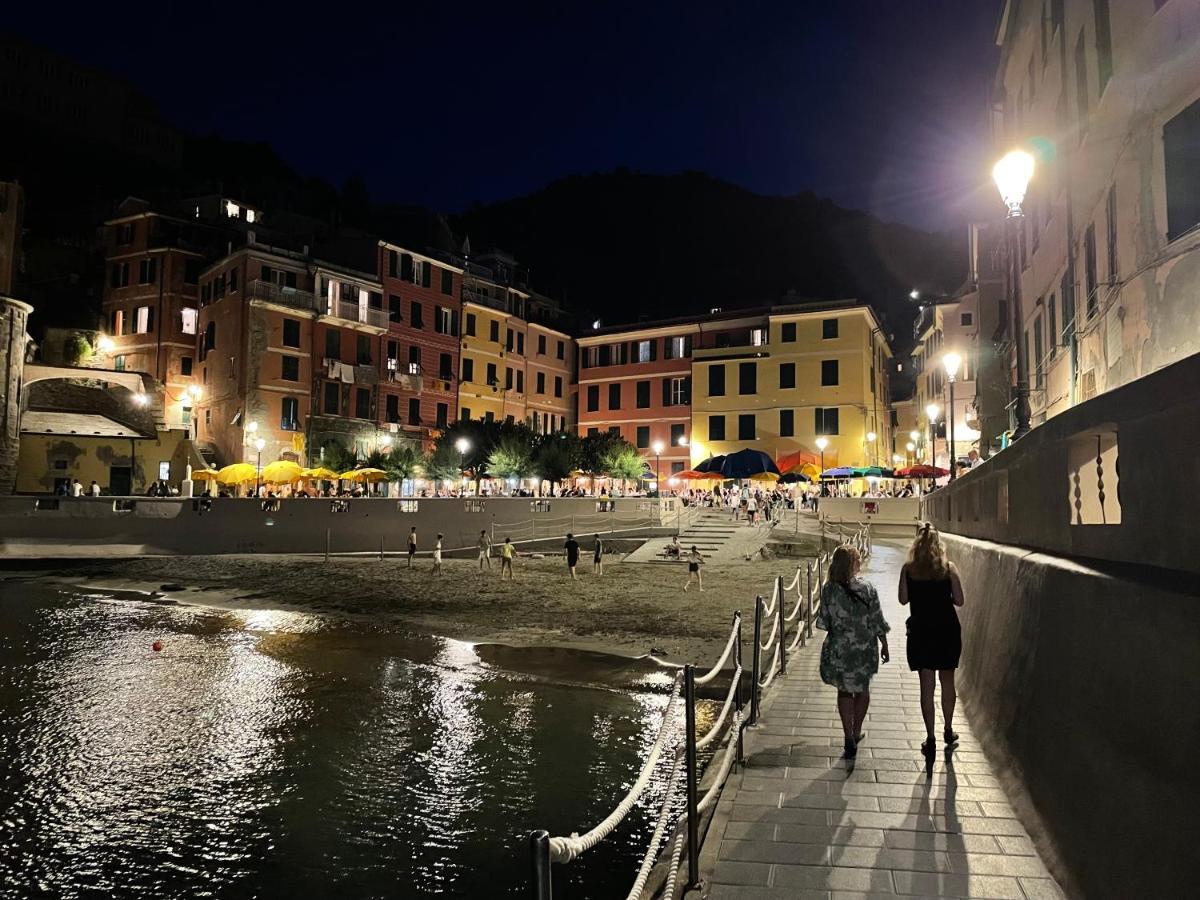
695 561
507 552
412 544
598 558
485 550
437 555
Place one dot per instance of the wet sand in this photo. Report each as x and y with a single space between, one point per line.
633 609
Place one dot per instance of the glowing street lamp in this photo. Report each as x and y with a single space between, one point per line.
105 344
951 362
822 443
871 442
931 412
1012 175
258 445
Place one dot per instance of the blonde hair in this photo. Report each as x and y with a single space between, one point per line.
842 565
927 555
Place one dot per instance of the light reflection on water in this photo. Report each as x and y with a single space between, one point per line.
273 754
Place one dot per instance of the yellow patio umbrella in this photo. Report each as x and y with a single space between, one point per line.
367 474
320 473
238 473
204 475
283 471
764 476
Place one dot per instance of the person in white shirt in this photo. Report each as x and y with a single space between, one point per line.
437 555
76 488
94 490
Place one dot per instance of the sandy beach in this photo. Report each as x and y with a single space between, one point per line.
633 609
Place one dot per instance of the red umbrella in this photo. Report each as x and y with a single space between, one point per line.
790 461
922 471
692 475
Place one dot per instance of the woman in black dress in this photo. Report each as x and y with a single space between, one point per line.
930 584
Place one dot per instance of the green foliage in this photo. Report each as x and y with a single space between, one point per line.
403 462
595 449
552 459
77 350
511 458
442 463
624 463
336 456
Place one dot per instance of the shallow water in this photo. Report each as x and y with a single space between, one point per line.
274 754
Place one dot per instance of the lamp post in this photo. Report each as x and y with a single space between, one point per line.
951 362
822 443
462 445
911 448
657 447
1012 174
931 412
258 445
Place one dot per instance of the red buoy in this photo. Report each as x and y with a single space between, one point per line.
157 645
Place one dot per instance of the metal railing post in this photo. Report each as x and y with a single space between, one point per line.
737 690
539 854
693 813
327 541
755 654
782 627
808 601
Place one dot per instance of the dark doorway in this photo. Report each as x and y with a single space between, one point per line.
120 481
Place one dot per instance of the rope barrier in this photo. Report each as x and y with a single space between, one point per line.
716 669
715 731
669 801
774 631
726 764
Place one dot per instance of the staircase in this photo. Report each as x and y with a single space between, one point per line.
713 532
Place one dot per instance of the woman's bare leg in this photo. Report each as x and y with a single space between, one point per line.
949 695
846 703
861 702
927 684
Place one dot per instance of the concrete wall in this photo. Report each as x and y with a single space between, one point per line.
1086 686
1112 479
51 526
896 515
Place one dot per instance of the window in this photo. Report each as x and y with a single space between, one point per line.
185 365
787 423
747 378
125 233
558 386
468 369
291 333
965 319
333 344
787 332
1111 222
1038 349
471 324
829 373
333 398
677 435
395 305
508 340
191 271
746 429
414 315
643 395
541 383
443 415
414 360
144 320
119 362
362 347
508 378
393 263
118 275
829 329
520 381
716 428
679 391
210 339
716 381
148 271
676 347
491 375
392 408
1181 157
445 367
1066 290
520 343
1089 257
643 437
414 411
1104 60
464 413
562 347
1052 331
787 375
447 282
541 345
593 432
593 397
614 396
233 276
645 351
443 322
289 419
826 420
290 368
188 320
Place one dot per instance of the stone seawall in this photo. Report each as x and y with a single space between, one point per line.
1087 686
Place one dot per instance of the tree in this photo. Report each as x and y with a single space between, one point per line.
336 456
77 350
624 463
595 448
403 462
442 463
510 459
553 459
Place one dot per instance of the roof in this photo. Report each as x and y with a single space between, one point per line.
41 421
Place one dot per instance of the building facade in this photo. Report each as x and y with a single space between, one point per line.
1107 97
636 381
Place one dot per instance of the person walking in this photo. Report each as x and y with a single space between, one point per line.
485 550
853 623
598 557
507 553
437 555
94 490
412 544
930 585
695 561
572 548
751 510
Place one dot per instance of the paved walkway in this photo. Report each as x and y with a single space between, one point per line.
801 822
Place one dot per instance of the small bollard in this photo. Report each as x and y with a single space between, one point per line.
539 854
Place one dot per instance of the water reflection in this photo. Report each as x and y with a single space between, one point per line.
274 754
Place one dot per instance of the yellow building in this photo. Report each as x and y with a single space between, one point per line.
779 379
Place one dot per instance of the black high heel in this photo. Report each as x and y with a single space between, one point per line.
851 750
951 738
929 748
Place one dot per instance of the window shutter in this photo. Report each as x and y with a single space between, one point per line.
666 392
653 350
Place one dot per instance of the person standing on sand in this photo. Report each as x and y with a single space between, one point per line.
412 544
855 641
695 561
485 550
572 548
598 558
437 555
507 552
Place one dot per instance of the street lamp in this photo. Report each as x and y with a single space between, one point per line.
911 448
657 447
822 443
951 362
931 412
462 445
871 441
1012 175
258 445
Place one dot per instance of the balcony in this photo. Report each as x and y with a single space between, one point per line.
351 311
293 298
470 295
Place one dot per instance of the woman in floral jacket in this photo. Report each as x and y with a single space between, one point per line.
853 620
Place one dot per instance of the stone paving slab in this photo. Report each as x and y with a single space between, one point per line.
798 821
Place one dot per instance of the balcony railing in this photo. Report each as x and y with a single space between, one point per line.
352 312
284 296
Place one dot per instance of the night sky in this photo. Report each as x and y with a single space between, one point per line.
879 105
